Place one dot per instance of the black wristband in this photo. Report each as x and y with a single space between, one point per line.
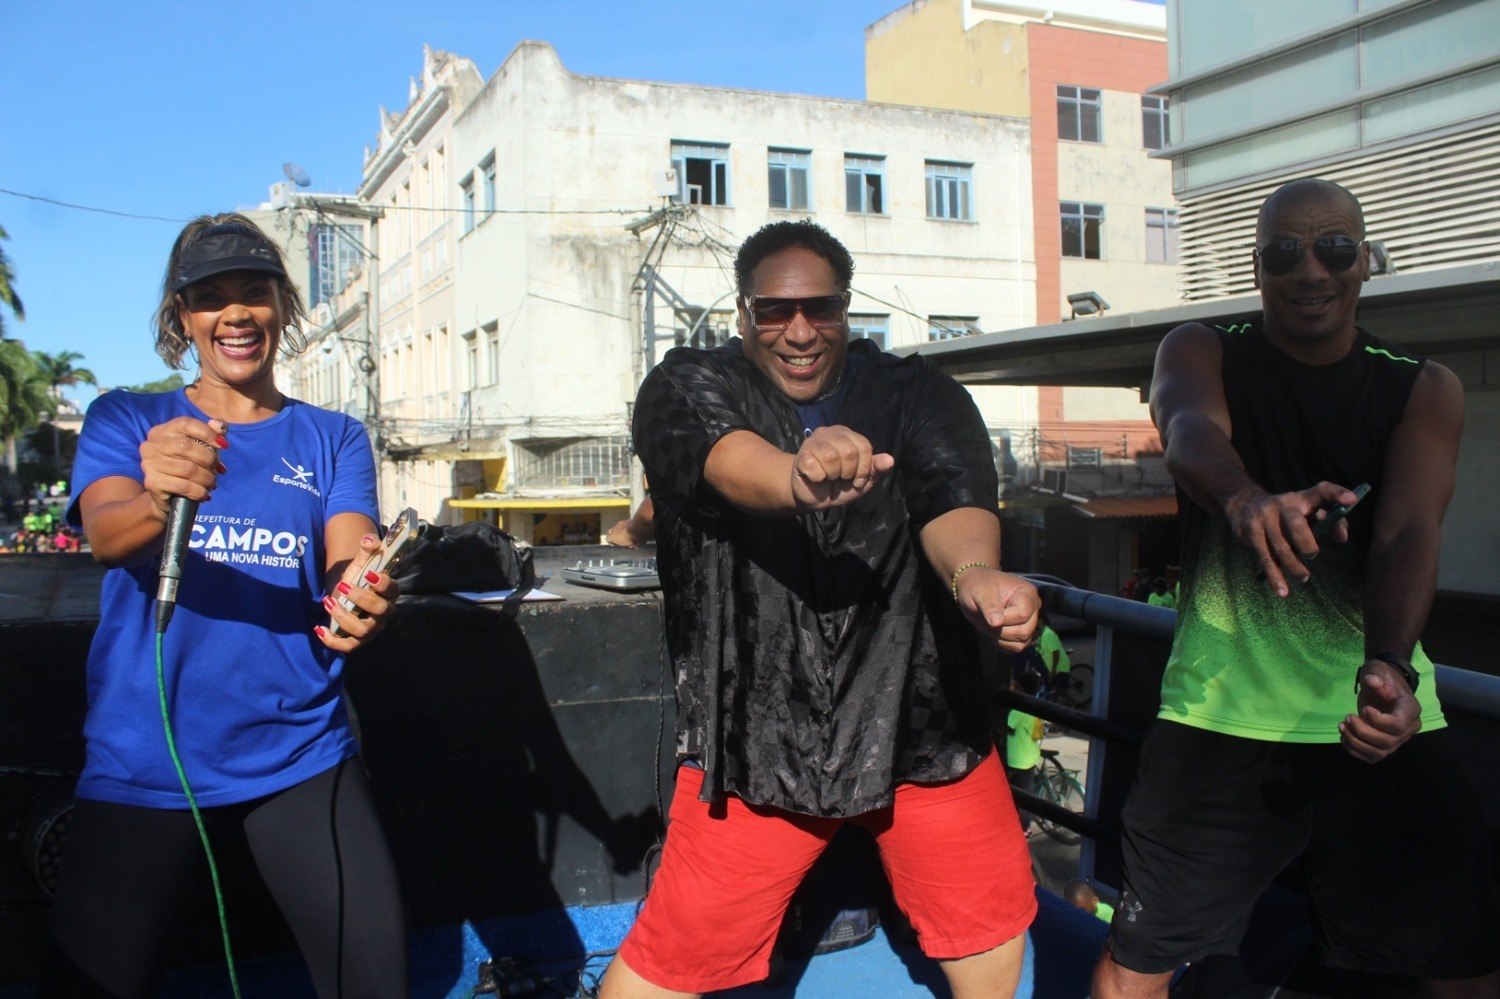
1400 664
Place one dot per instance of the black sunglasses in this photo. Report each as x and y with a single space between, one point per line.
821 311
1337 253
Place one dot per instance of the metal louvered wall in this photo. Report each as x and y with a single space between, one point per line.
1433 203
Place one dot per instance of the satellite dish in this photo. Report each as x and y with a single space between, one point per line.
296 174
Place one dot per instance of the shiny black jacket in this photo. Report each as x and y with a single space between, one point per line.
819 659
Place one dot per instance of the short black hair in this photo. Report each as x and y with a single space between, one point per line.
778 236
1305 189
1077 890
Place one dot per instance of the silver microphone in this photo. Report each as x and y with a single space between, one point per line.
179 527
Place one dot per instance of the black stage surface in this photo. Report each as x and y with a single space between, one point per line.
518 752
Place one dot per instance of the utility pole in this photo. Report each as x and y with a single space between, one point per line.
326 205
643 292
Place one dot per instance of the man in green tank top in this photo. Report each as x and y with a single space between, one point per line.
1296 686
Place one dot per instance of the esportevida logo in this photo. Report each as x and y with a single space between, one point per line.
301 477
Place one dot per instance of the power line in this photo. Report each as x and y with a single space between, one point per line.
575 305
89 208
388 208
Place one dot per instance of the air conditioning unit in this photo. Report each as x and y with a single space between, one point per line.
1055 480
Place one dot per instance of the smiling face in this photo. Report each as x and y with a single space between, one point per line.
234 321
803 361
1309 311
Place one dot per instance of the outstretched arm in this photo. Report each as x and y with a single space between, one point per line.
999 605
1401 570
834 467
1187 403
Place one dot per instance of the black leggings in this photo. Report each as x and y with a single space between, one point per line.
130 872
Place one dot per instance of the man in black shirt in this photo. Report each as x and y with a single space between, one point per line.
1299 717
828 541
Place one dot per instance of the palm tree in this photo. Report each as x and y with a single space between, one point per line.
58 370
17 398
23 395
8 294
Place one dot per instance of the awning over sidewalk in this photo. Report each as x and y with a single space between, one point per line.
1128 507
525 503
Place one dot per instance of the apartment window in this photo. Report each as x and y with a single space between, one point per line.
789 171
1155 132
334 259
1161 235
468 195
488 169
424 193
952 327
492 354
707 331
874 328
443 368
471 359
702 173
948 187
864 184
1082 230
576 463
1079 110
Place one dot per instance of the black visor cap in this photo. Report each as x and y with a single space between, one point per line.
223 248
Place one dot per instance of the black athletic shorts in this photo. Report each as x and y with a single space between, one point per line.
1396 853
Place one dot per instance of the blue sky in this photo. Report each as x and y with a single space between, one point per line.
174 108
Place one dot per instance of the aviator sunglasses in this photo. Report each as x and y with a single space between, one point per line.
1337 253
820 311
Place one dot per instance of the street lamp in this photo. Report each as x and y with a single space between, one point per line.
1087 303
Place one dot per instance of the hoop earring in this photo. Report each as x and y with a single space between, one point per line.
293 340
187 346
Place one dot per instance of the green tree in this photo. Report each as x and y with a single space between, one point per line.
171 383
41 438
8 294
23 395
58 370
19 404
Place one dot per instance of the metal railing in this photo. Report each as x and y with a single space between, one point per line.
1462 691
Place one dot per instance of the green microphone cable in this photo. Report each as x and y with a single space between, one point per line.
213 867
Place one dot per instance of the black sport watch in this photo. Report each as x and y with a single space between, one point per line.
1400 664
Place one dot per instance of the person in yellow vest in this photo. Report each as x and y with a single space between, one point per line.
1023 751
1081 895
1049 648
1161 594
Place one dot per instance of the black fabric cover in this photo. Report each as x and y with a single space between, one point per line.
475 556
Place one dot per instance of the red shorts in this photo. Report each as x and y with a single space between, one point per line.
954 853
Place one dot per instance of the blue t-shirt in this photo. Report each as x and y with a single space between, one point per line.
256 698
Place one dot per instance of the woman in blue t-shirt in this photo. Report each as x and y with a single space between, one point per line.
249 666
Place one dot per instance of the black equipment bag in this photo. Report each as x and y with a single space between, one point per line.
476 556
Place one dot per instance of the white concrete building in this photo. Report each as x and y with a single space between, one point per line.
525 217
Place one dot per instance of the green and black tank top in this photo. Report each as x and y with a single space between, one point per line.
1245 662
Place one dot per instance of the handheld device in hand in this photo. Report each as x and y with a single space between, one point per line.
398 539
1324 528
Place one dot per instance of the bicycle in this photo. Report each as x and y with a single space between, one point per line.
1059 785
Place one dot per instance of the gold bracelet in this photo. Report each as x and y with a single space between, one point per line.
960 571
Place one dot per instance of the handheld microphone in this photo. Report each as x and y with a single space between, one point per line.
179 526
